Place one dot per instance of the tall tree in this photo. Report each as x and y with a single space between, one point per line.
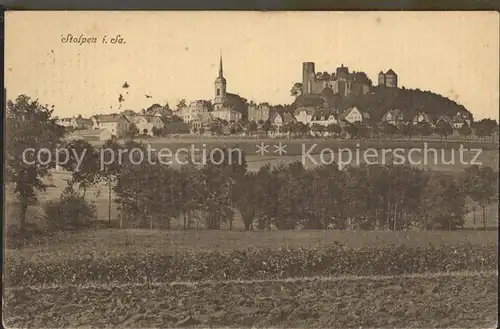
481 185
296 90
30 125
465 131
83 163
443 203
423 129
112 166
444 129
181 104
389 129
485 127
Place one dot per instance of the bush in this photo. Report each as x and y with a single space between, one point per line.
69 213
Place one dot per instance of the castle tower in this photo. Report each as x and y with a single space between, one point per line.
391 79
342 72
308 74
381 79
220 87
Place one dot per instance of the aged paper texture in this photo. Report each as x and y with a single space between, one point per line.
251 169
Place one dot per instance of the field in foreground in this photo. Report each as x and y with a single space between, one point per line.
138 260
465 300
293 279
224 240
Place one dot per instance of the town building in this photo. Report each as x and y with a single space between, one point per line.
202 120
195 110
393 117
323 118
446 119
355 114
278 120
75 122
421 117
146 124
227 113
461 119
304 114
259 113
117 124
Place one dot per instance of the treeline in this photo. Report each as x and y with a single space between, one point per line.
284 197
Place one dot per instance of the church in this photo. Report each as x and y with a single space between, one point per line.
226 106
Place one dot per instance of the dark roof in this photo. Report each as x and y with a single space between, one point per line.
111 118
149 118
391 72
381 73
446 119
236 102
83 121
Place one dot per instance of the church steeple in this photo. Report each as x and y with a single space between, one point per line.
220 87
221 71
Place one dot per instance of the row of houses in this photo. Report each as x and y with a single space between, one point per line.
311 116
105 126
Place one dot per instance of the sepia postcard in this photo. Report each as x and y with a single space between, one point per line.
251 169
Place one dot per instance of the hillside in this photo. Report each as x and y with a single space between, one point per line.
381 99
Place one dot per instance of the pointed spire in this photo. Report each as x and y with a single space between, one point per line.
221 73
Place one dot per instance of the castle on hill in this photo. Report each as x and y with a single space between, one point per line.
342 82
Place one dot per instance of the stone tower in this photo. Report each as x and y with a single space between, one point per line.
308 74
381 79
391 79
220 87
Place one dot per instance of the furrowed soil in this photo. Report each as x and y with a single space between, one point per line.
448 300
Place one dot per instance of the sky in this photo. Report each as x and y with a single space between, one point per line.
175 55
